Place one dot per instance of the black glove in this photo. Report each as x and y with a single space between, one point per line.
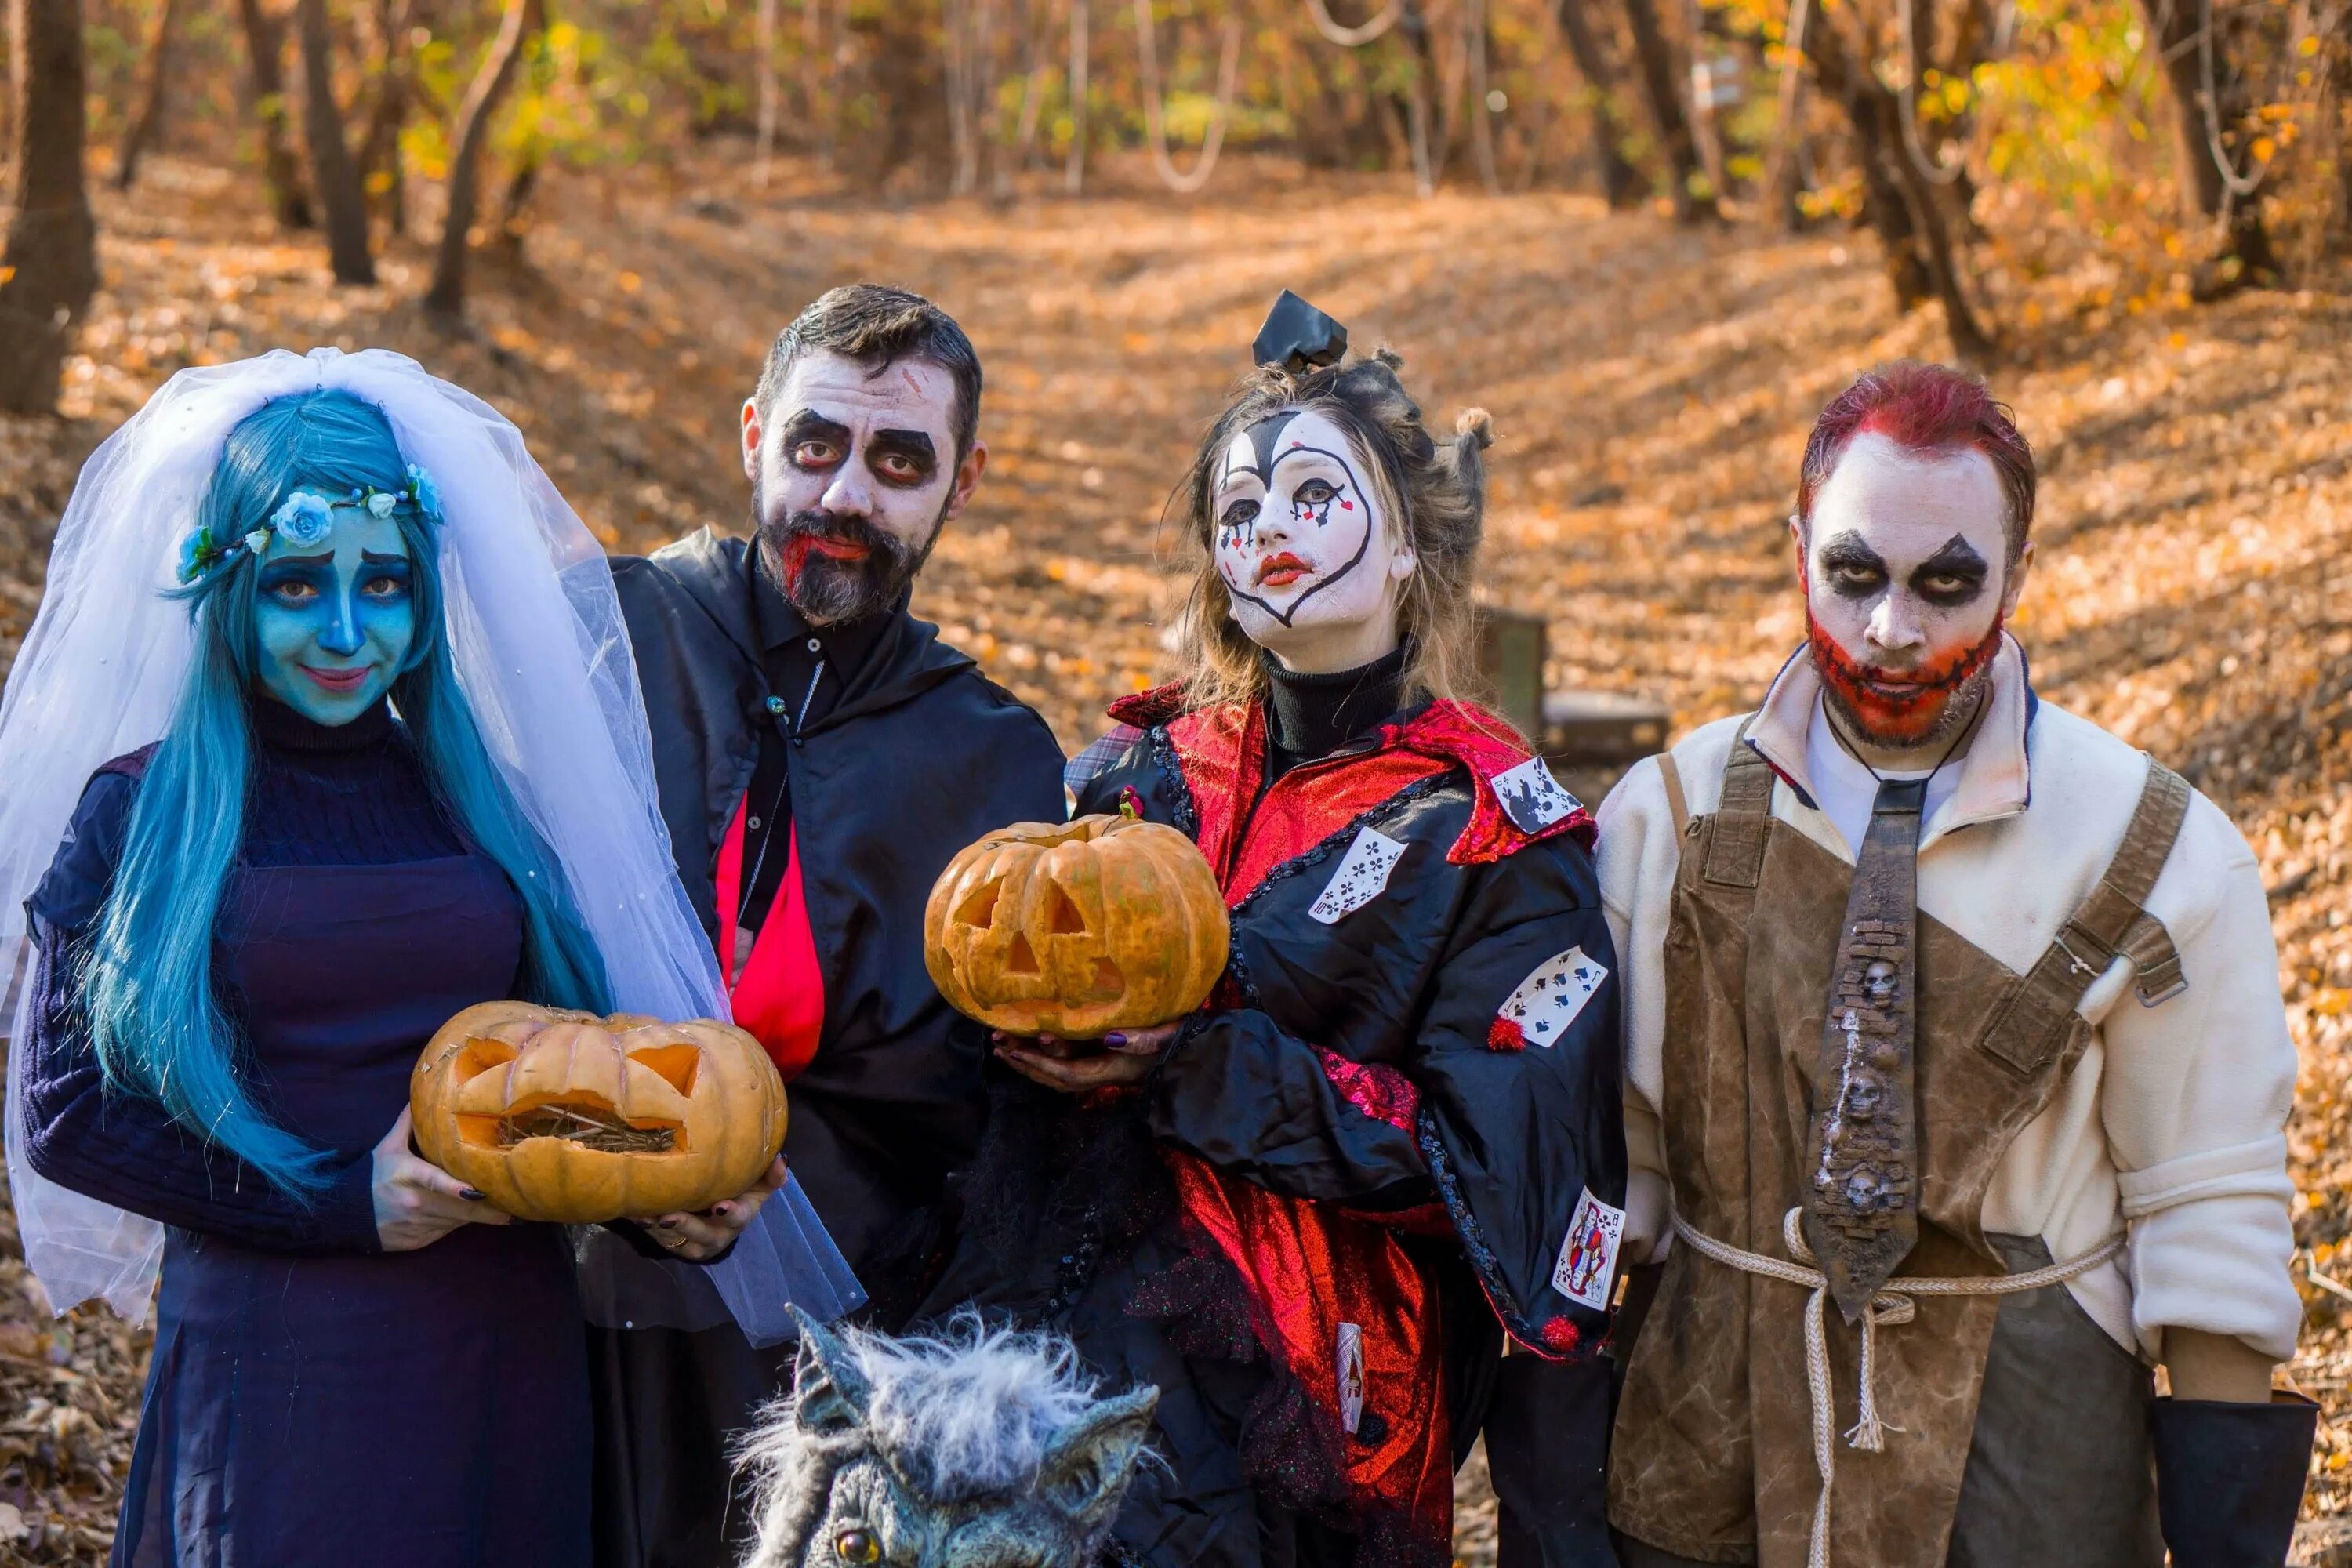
2229 1477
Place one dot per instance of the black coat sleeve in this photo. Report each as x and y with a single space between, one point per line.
122 1147
1516 1130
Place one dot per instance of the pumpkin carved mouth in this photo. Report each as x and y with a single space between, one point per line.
567 1117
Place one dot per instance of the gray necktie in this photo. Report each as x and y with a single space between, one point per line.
1862 1194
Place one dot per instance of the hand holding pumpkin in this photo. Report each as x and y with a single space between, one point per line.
416 1202
1127 1058
703 1235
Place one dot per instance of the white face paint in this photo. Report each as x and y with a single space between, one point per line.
848 465
1906 577
1304 546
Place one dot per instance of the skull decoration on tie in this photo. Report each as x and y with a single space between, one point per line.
1862 1204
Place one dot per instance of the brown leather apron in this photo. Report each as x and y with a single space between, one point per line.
1713 1455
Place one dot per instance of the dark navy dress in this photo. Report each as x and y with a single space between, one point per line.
314 1400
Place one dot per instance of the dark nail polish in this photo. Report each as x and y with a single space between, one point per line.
472 1194
1114 1039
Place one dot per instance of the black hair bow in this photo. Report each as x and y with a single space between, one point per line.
1298 335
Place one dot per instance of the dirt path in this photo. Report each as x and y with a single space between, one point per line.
1651 390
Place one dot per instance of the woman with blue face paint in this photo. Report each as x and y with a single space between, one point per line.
394 777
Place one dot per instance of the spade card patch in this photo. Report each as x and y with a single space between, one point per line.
1352 1377
1587 1259
1531 797
1362 876
1546 1002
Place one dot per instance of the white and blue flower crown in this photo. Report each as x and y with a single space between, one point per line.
304 518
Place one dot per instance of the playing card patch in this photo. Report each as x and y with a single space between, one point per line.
1587 1259
1531 797
1352 1377
1546 1002
1362 876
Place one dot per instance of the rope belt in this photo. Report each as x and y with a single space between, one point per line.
1890 1308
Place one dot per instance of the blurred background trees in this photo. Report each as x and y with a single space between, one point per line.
2155 149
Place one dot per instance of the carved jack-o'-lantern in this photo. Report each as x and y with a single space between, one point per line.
1076 927
568 1117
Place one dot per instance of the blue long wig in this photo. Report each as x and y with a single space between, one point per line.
154 1018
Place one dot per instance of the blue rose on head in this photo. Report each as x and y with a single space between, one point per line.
193 552
304 519
427 494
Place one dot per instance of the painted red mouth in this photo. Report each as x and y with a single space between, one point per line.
1281 570
800 546
1898 708
339 680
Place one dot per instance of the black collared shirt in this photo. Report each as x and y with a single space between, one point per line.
807 667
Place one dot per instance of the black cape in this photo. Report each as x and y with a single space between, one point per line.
920 755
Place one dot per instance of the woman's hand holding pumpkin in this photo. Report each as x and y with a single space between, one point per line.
697 1237
416 1202
1127 1058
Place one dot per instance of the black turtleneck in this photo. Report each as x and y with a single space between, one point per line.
1309 717
339 794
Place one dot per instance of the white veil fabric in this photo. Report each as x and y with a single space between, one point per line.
538 647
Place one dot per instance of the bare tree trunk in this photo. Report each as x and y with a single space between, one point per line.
264 47
2207 105
765 31
1482 121
1661 82
1620 184
49 269
1921 259
149 118
380 165
1414 27
525 179
446 297
332 173
1073 173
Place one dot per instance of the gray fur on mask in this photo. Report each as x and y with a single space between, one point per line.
979 1446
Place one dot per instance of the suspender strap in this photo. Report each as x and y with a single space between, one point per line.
1735 854
1676 807
2034 1019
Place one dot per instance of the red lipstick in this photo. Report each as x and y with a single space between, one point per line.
339 680
1281 570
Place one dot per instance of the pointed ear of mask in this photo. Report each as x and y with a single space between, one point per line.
1087 1465
829 1395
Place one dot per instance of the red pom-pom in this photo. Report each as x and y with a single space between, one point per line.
1560 1336
1504 1034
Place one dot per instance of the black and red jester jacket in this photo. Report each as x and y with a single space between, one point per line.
1406 1082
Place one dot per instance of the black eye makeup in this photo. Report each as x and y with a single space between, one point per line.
902 456
1852 568
1955 575
812 441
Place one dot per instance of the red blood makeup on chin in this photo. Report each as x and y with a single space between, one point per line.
1898 708
800 546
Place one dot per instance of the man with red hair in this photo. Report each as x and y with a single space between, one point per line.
1956 1083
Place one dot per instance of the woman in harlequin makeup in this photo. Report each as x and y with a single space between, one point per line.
345 648
1314 1213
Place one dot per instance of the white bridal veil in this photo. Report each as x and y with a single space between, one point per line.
538 647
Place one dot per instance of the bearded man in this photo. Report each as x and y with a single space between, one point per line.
1956 1083
821 756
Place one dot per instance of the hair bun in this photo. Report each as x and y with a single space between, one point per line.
1477 423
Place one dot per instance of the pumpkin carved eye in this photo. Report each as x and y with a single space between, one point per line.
980 908
857 1546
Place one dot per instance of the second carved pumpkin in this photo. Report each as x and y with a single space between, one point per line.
1076 927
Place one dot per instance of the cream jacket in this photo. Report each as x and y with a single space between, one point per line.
2172 1123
